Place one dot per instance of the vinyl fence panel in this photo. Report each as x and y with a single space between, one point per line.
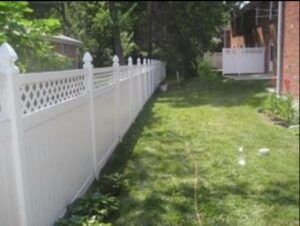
243 60
57 130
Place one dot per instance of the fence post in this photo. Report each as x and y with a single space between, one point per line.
149 77
155 75
116 73
130 75
147 80
144 74
139 71
12 110
152 75
89 76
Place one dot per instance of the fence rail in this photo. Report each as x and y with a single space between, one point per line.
57 129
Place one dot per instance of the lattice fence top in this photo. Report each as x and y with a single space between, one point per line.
103 77
36 96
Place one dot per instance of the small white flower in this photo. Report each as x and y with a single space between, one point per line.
241 149
242 162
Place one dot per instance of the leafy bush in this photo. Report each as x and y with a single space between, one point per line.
92 209
204 71
96 208
26 37
114 184
282 107
81 221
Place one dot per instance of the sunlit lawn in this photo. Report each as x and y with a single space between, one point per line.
181 158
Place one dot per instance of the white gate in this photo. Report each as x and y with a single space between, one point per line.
243 60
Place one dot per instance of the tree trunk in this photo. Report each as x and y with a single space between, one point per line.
149 13
62 9
116 31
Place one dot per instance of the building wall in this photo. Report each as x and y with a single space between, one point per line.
67 50
290 67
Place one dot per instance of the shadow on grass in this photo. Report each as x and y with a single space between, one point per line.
225 93
178 201
123 152
188 94
276 193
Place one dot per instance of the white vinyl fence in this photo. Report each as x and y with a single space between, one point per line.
57 130
243 60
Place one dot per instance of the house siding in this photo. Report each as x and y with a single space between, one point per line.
67 50
290 66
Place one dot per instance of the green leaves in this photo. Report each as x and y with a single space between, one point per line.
98 207
114 184
204 71
281 107
25 35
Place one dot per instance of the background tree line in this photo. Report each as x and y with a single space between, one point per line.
174 31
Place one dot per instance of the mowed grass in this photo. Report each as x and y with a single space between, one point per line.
181 158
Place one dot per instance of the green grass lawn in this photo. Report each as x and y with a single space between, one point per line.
181 158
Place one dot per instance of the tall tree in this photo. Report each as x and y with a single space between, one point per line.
116 31
177 32
149 25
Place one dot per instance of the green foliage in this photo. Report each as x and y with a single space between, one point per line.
92 209
92 23
114 184
97 207
191 26
128 44
281 107
205 72
26 37
81 221
174 31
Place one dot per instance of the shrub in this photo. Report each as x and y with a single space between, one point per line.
81 221
281 107
114 184
270 105
96 207
92 209
204 71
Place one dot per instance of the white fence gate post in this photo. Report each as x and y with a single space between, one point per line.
89 77
116 73
12 110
